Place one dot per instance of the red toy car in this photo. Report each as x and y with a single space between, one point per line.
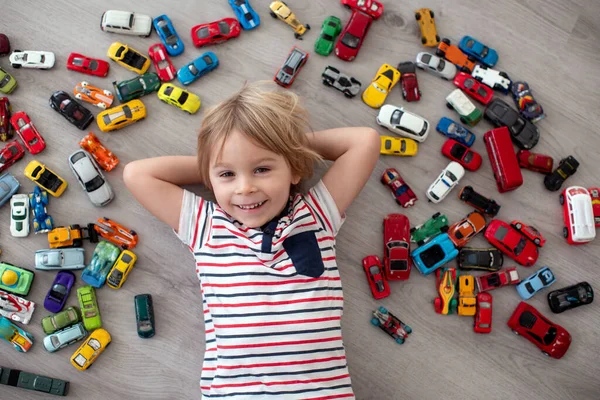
530 232
103 156
408 81
4 45
215 32
535 162
33 141
10 154
595 195
396 247
370 7
511 242
473 88
86 65
552 339
483 317
116 233
401 192
463 155
6 132
351 38
494 280
377 282
162 63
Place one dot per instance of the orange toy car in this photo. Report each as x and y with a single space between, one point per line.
426 21
98 97
116 233
104 157
455 56
462 231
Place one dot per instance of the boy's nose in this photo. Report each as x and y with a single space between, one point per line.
245 186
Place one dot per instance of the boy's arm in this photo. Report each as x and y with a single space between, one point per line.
355 152
155 183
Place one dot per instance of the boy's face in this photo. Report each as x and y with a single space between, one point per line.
251 183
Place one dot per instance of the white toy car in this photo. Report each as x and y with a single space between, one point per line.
459 102
16 308
19 215
61 259
449 178
32 59
494 79
90 178
442 68
403 123
126 22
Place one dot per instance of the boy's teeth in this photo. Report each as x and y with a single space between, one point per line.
251 206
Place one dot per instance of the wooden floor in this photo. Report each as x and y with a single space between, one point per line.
552 44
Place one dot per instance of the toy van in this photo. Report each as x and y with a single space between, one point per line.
144 315
578 215
503 159
126 23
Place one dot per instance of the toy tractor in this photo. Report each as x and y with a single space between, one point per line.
71 236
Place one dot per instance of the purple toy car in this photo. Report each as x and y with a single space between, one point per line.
57 296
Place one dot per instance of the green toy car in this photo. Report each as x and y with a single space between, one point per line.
332 26
90 313
426 231
104 257
137 87
58 321
15 280
39 383
7 83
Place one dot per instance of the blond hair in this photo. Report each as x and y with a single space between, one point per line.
274 120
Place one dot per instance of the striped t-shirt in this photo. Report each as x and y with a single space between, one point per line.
272 300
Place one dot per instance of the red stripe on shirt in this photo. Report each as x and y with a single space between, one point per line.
292 281
274 323
196 225
280 364
275 303
316 203
277 383
289 343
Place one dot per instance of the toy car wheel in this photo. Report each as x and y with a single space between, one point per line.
107 92
437 38
16 65
412 230
297 36
503 74
400 340
565 232
374 321
465 70
537 241
446 40
464 121
307 26
515 332
444 228
133 233
273 14
417 15
326 82
471 58
420 242
546 354
432 14
518 226
75 227
434 216
102 105
84 84
408 329
78 96
449 106
423 40
440 53
561 198
348 94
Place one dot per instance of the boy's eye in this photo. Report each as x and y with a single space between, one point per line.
261 170
226 174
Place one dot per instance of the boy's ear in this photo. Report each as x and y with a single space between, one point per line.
296 179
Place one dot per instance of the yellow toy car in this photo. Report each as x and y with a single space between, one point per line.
466 295
376 93
178 97
87 353
121 116
121 268
426 21
128 57
280 10
394 146
45 178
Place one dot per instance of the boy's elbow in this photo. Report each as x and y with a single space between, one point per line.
373 142
130 173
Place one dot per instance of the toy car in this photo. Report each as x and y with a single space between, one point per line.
398 146
455 131
462 231
4 45
455 56
199 67
535 162
470 258
425 19
352 36
408 81
40 383
33 141
121 116
127 23
21 340
526 104
136 87
522 132
58 321
128 57
433 254
104 257
74 112
466 296
386 78
401 192
446 287
93 95
71 236
215 32
480 52
45 178
121 269
167 34
90 314
396 247
8 83
479 202
116 233
552 339
245 14
483 315
61 259
87 65
8 187
595 195
391 325
330 29
104 157
473 88
402 122
570 297
447 180
372 8
144 315
280 10
287 73
15 280
377 281
511 242
162 63
32 59
346 84
179 98
578 215
59 292
529 286
38 200
495 79
437 224
496 279
566 167
10 154
530 233
65 337
436 66
6 132
89 351
463 155
469 114
16 308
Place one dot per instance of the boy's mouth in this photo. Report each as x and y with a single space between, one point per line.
253 206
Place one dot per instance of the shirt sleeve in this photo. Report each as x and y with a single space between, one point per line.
323 204
195 219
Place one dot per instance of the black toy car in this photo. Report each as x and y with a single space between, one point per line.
74 112
342 82
570 297
522 132
566 167
470 258
525 102
480 202
39 383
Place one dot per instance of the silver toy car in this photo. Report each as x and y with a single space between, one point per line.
334 78
51 259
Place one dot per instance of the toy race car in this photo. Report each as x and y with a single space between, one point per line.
466 296
570 297
10 154
395 146
470 258
396 247
104 257
566 167
408 81
330 29
425 19
278 9
483 315
401 192
494 280
535 162
529 286
436 66
245 14
391 325
434 254
215 32
136 87
287 73
167 34
59 291
93 95
128 57
6 132
121 116
20 340
377 281
496 80
526 104
430 228
455 151
19 215
120 270
32 59
473 88
352 36
459 102
71 236
162 63
104 157
16 308
91 348
478 201
445 182
8 83
463 231
87 65
176 96
403 123
38 200
197 68
373 8
512 242
346 84
522 132
45 178
15 280
116 233
386 78
73 112
445 283
33 141
455 56
482 53
595 195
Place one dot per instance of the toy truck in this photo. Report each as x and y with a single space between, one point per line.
466 296
71 236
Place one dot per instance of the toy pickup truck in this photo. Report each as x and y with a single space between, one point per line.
71 236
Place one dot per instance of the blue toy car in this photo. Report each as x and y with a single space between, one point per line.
105 255
455 131
434 254
8 186
21 340
198 68
529 286
478 51
248 18
38 200
168 35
